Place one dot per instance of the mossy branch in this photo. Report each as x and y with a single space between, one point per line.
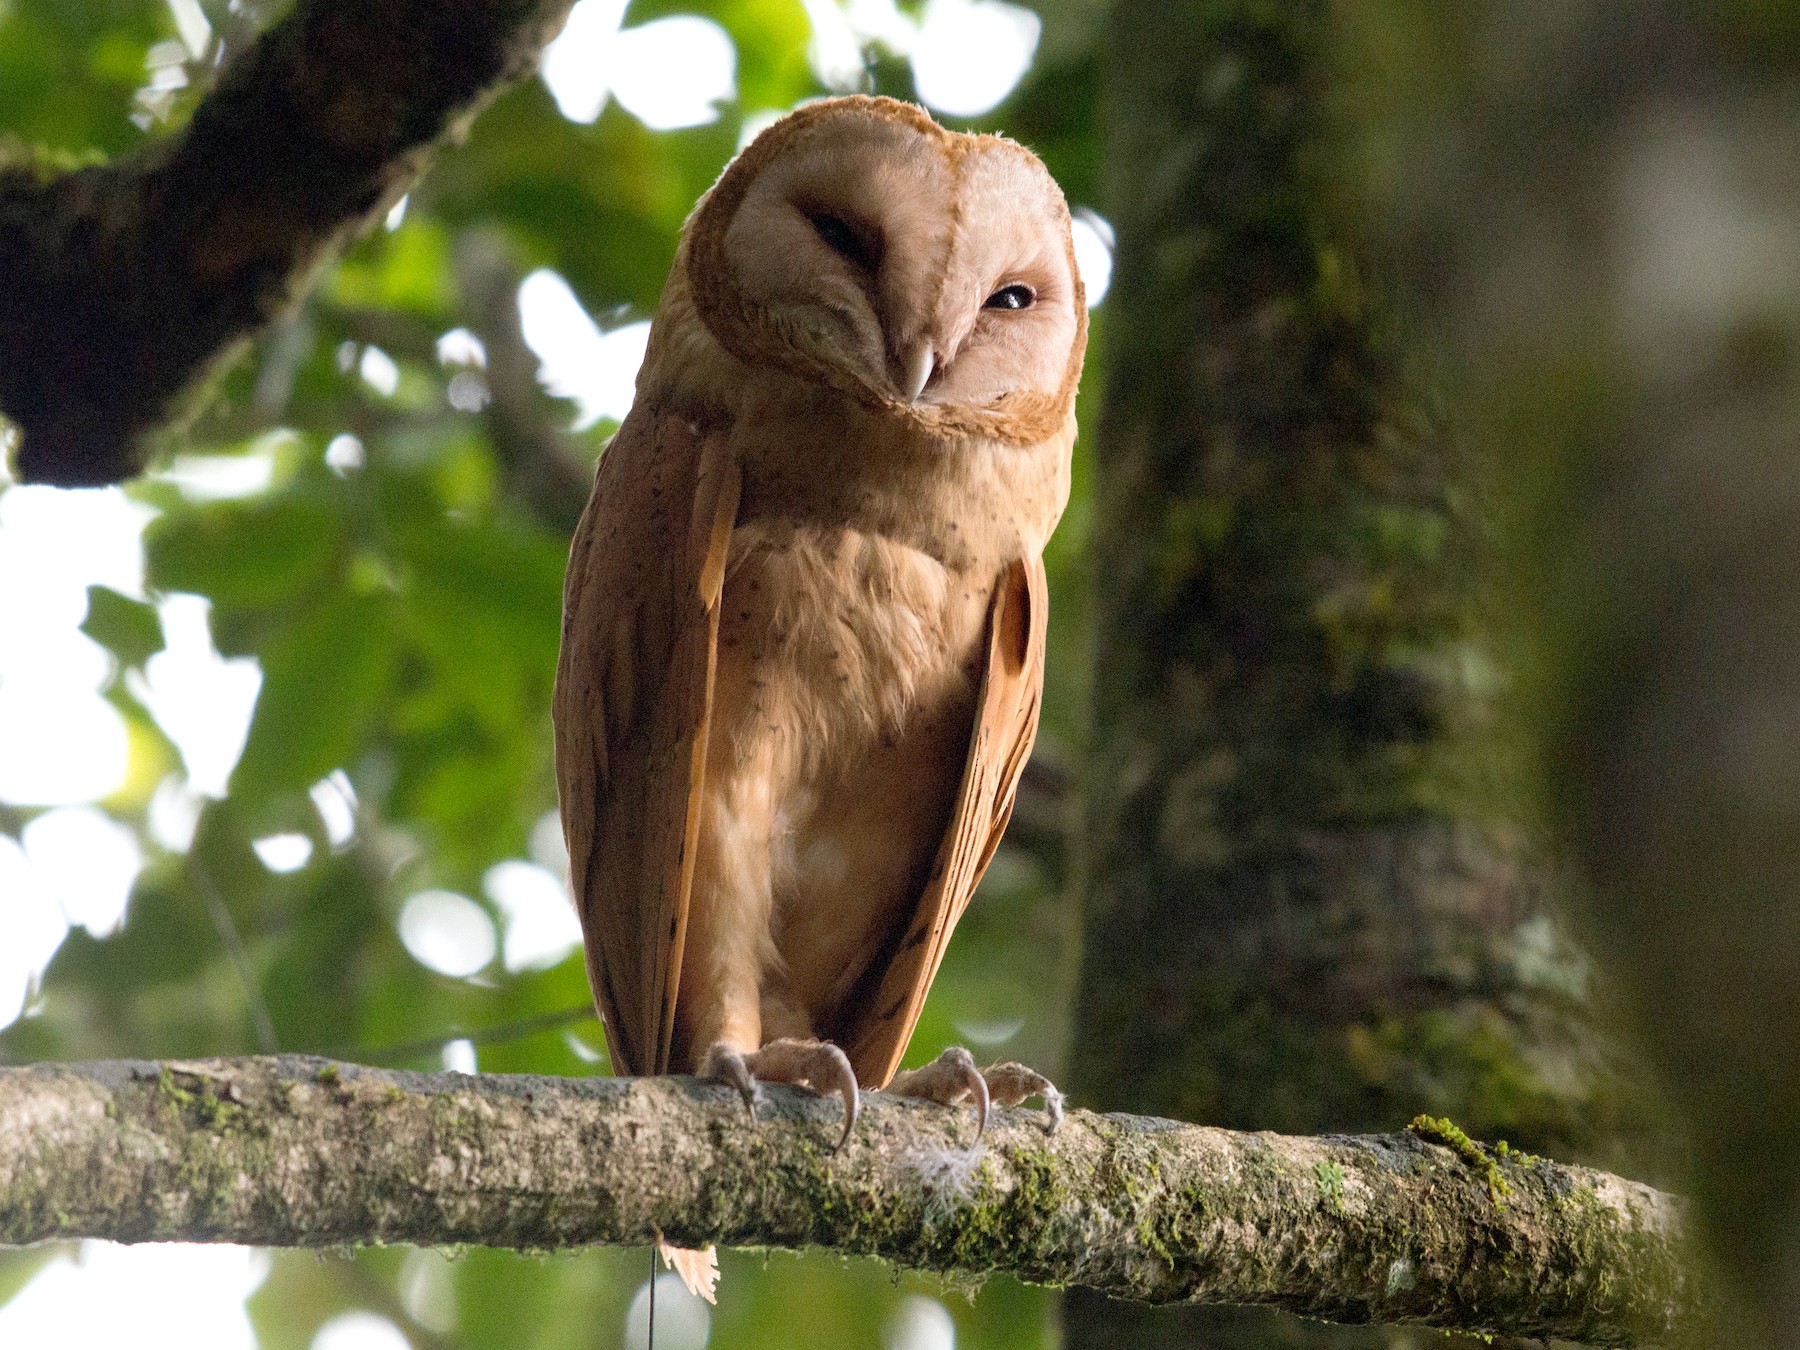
121 284
293 1151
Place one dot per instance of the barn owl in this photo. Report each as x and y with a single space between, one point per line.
803 629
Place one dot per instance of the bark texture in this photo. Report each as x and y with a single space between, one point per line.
1311 896
295 1151
121 284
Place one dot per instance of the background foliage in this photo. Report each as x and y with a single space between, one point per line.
361 529
400 597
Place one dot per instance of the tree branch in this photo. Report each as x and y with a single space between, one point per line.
295 1151
121 284
544 471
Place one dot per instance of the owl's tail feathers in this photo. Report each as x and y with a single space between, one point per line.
699 1270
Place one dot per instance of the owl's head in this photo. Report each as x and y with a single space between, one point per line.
924 272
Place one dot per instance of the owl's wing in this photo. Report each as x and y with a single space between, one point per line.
632 707
1005 725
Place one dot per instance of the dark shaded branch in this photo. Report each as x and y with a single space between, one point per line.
544 470
121 284
293 1151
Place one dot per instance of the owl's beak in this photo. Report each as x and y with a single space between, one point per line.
917 368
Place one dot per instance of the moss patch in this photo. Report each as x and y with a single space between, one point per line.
1442 1130
1331 1185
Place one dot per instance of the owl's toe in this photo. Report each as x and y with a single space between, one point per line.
1011 1083
950 1080
819 1065
726 1064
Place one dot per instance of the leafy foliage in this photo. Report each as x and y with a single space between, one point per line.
404 615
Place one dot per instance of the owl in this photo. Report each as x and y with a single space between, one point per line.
803 626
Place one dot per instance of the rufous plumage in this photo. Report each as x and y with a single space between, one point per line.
804 621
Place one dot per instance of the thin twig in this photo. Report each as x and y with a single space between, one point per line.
233 942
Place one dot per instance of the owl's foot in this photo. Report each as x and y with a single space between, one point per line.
819 1065
1010 1083
952 1079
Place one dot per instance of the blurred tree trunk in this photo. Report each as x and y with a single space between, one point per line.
1313 900
1614 235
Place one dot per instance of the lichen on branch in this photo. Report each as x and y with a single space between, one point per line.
121 284
291 1151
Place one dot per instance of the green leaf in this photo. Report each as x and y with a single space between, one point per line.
325 680
68 71
256 555
407 269
127 628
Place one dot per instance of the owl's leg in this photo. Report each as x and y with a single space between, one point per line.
952 1079
819 1065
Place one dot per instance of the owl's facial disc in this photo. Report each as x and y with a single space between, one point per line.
1006 313
922 271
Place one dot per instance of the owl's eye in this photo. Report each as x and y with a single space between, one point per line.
1011 297
842 239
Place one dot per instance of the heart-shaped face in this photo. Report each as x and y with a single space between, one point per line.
925 272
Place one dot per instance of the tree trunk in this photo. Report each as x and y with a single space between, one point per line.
1615 239
1312 901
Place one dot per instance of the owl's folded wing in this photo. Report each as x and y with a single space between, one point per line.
632 706
1005 725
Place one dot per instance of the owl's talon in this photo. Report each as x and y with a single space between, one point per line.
819 1065
1011 1083
950 1080
728 1066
